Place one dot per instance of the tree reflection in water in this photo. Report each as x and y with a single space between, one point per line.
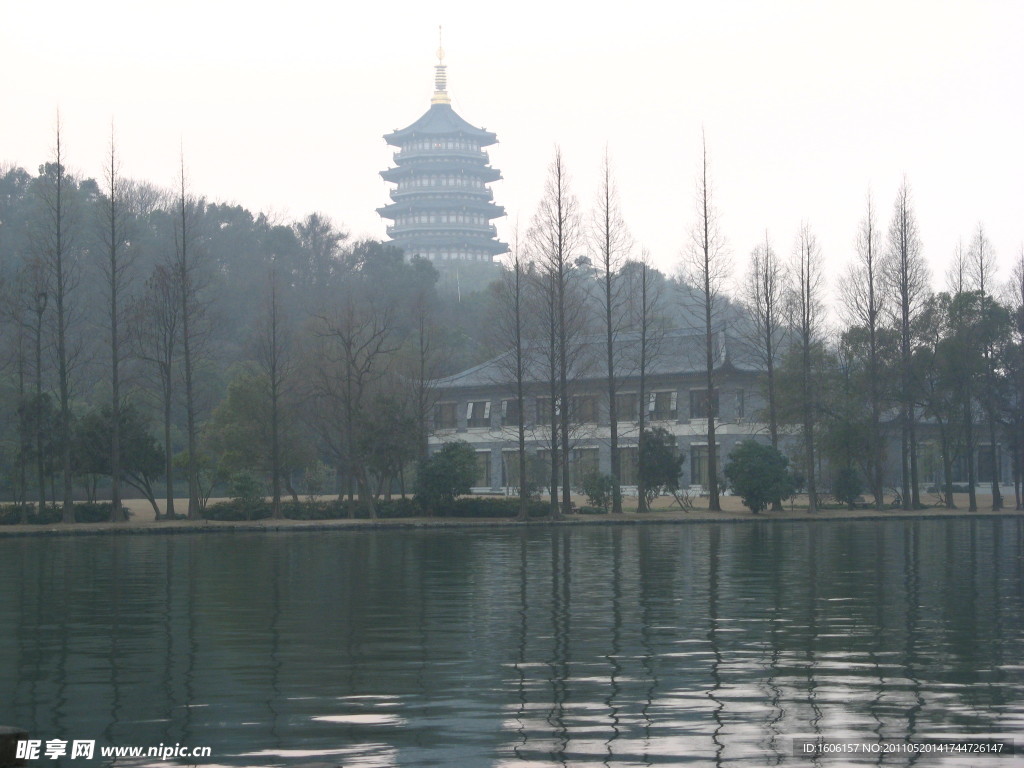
612 645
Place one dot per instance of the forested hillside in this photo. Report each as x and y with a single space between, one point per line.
158 343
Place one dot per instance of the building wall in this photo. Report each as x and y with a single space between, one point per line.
484 418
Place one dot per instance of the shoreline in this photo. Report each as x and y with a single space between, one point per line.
181 527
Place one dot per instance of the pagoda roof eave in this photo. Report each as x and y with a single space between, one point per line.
440 120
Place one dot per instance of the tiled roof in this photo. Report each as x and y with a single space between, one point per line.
441 119
676 353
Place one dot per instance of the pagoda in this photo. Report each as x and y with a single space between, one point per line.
442 204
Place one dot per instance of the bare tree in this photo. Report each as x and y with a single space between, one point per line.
705 269
807 304
764 295
191 285
116 268
56 240
645 287
26 301
355 344
554 238
155 320
1015 292
275 360
939 388
957 274
981 264
612 244
544 296
981 268
864 303
906 277
424 366
37 279
513 328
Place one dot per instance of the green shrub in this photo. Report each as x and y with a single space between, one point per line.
96 512
483 507
10 514
244 486
759 474
312 510
237 510
599 489
661 463
398 508
448 473
847 486
317 478
85 512
386 510
467 507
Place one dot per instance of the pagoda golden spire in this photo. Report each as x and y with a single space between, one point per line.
440 75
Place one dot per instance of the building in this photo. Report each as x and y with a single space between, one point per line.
478 406
442 204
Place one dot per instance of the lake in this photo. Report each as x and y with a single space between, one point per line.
702 644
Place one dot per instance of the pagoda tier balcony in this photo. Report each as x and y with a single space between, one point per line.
424 245
475 155
430 174
450 195
473 231
443 206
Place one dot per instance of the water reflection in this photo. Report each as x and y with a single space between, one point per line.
703 644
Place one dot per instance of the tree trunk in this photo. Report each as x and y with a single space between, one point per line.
997 496
972 496
915 480
169 513
947 464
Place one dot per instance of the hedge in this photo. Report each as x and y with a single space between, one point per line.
466 507
85 512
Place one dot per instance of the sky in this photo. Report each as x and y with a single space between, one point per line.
806 107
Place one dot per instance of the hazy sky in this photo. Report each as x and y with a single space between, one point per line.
806 105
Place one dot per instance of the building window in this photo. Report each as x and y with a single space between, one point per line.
444 416
584 409
699 466
698 403
510 413
959 469
478 413
582 462
483 470
741 411
539 468
626 406
544 410
985 464
628 462
661 406
510 469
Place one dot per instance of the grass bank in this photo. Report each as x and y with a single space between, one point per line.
142 521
